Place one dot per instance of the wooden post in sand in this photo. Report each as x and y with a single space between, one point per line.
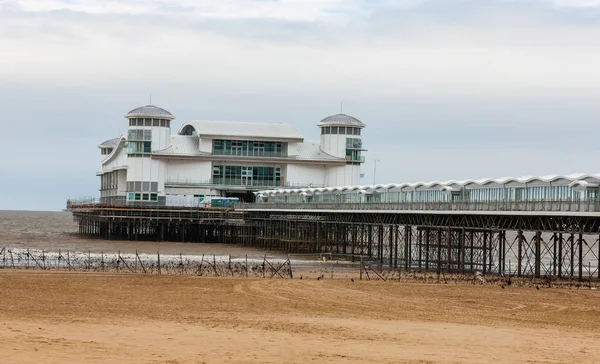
200 267
215 266
158 253
290 266
361 268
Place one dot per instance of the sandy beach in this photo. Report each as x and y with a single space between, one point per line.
58 317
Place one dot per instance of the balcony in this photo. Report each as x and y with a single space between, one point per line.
250 153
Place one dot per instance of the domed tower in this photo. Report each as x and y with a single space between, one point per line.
149 130
341 137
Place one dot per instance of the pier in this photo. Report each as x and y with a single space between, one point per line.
537 244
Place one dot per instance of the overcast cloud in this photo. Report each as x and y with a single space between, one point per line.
449 89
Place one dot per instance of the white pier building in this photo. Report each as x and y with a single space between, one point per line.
222 158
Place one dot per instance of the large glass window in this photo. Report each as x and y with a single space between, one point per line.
248 148
139 134
353 143
247 175
139 147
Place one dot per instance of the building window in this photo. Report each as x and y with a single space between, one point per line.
146 197
328 130
248 148
155 122
154 197
139 135
139 147
334 130
138 196
247 175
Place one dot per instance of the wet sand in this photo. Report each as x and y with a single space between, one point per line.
95 318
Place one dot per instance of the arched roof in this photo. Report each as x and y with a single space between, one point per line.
110 143
150 111
121 142
576 180
341 119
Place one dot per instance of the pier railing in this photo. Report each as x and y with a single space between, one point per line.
499 206
558 206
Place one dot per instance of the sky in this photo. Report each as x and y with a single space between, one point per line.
448 89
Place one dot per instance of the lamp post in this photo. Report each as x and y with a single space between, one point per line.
374 172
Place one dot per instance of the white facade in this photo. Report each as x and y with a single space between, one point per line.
222 158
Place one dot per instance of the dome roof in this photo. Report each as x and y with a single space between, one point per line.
341 119
150 111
